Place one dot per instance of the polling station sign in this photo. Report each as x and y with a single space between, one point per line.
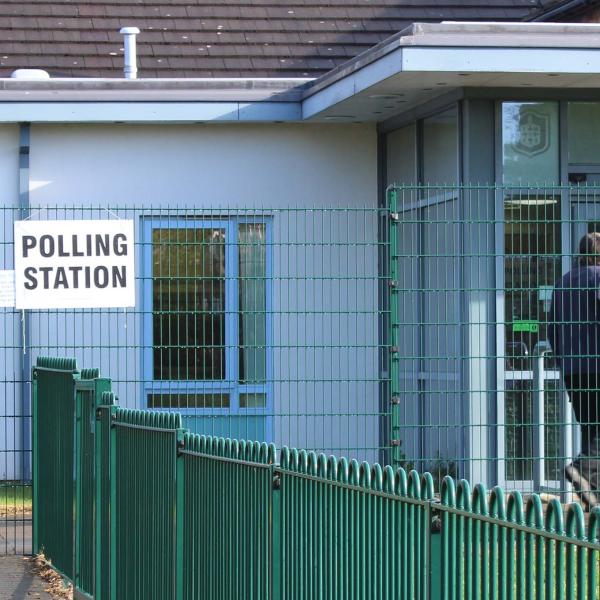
74 264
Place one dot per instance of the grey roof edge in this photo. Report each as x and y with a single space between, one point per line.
464 35
176 89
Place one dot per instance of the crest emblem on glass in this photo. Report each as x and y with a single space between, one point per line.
534 133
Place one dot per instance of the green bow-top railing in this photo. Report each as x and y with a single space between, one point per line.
155 512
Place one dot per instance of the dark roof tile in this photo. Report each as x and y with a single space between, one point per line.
204 38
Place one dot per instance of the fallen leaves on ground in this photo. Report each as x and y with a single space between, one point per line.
15 511
55 583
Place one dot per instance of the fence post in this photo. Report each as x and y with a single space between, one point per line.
35 461
275 566
179 514
103 451
84 534
99 474
434 534
393 334
77 416
113 505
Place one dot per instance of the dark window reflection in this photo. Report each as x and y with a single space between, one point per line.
188 299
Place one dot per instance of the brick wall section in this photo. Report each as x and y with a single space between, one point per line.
198 38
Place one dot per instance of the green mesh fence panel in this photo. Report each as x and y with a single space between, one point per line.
477 389
262 324
413 334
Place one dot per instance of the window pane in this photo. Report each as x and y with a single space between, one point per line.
553 431
440 148
532 265
253 400
519 432
188 295
530 143
253 303
584 132
402 155
188 400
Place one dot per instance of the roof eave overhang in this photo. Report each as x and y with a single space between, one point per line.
412 67
427 72
426 61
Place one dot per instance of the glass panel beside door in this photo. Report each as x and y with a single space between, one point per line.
528 375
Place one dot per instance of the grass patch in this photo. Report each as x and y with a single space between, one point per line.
15 498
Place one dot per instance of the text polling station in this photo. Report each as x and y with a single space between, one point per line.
74 264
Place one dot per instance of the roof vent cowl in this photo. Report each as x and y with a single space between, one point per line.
130 51
30 74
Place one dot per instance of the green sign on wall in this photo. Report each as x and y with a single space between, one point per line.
528 326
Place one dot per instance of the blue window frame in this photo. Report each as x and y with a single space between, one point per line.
207 317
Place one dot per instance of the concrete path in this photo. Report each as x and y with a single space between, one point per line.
17 581
15 535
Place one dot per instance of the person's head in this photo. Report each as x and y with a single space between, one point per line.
589 250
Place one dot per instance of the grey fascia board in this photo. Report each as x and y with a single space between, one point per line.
148 112
73 100
153 90
567 61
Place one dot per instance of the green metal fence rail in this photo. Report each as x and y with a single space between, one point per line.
225 553
183 516
143 501
349 530
64 509
512 549
102 537
53 459
89 392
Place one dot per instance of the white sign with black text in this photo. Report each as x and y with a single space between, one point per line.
74 264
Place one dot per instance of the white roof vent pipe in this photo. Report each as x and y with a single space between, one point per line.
30 74
130 51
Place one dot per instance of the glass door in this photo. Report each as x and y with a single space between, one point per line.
585 218
532 264
540 225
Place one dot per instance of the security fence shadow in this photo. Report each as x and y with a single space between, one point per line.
158 512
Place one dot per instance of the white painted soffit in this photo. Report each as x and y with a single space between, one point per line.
427 60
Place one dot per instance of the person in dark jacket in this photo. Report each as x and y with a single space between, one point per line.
574 334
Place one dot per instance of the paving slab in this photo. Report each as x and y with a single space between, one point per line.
18 581
16 535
